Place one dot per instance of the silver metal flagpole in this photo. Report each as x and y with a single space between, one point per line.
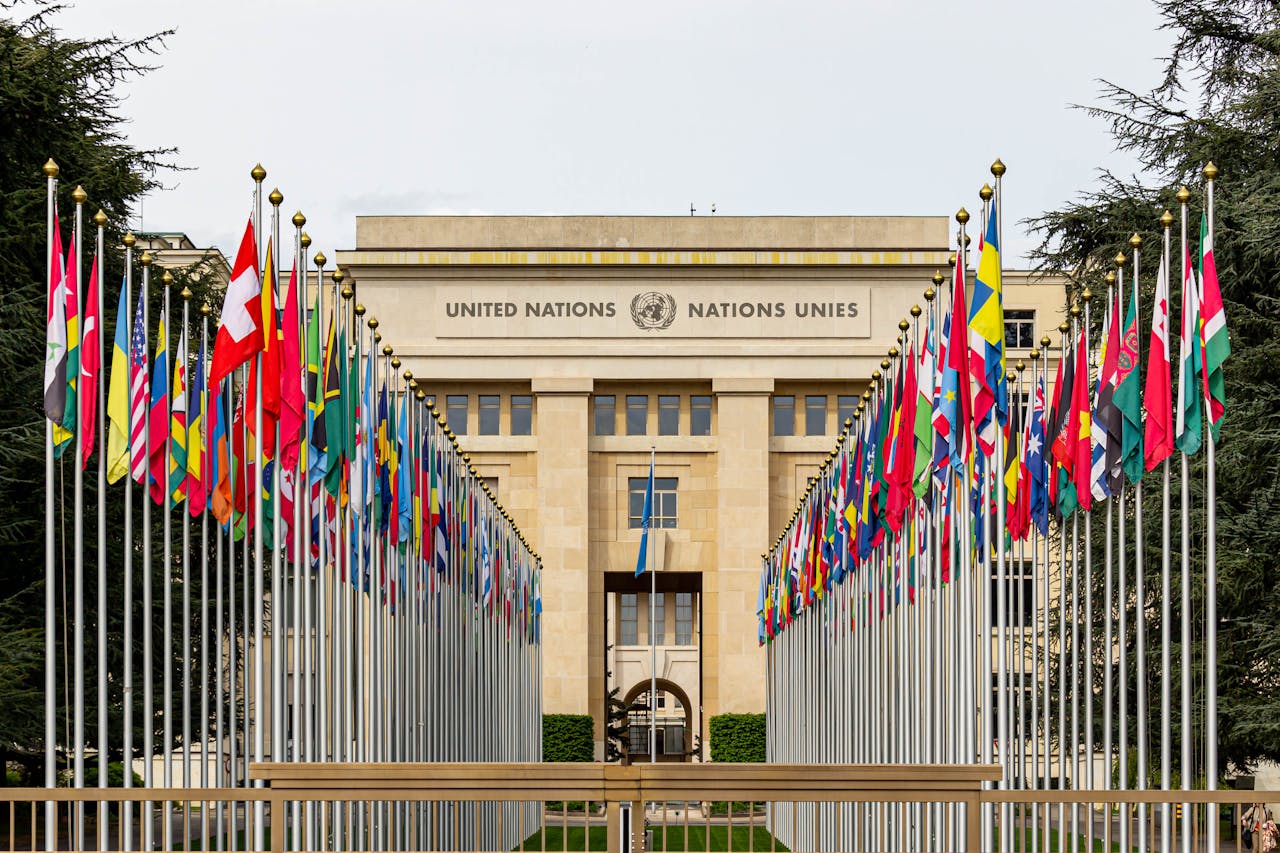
653 647
1140 583
1075 628
1187 736
100 219
148 662
50 544
296 326
1085 585
1063 683
1210 572
1122 592
77 581
166 647
186 571
279 608
206 473
1047 468
1166 595
126 811
259 676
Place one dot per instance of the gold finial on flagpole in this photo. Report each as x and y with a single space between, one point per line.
967 240
1110 279
951 261
1184 195
167 279
1120 260
359 309
78 195
1166 220
875 376
1035 355
276 197
998 167
320 260
205 310
1010 376
1045 341
395 362
299 220
387 350
1087 294
50 169
986 192
938 278
1135 242
420 395
916 310
337 275
848 424
893 353
1021 365
1075 311
258 173
471 469
145 260
347 292
186 294
962 216
128 239
408 376
100 218
373 323
930 294
903 324
1064 326
306 240
1210 172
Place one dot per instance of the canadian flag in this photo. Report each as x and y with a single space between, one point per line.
240 334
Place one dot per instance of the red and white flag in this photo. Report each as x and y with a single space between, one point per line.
1158 395
240 335
90 367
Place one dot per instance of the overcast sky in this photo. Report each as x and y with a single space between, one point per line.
476 106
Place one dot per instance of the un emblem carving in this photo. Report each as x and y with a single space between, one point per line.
653 310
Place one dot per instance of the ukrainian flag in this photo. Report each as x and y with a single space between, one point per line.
986 341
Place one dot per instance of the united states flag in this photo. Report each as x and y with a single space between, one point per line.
138 382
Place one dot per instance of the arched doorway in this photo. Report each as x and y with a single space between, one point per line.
673 724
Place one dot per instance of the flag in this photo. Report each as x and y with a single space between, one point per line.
240 334
645 516
334 417
1128 394
220 457
1213 331
55 356
270 362
986 341
1190 389
1079 429
293 396
955 403
383 508
1105 422
405 464
64 428
118 396
904 447
90 367
317 458
1039 497
158 418
1158 395
178 424
923 426
197 487
139 378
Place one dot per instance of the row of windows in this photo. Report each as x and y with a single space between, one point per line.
628 615
457 409
814 412
670 739
636 414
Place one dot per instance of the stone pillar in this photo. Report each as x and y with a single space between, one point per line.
562 407
734 671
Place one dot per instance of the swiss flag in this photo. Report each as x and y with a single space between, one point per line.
240 335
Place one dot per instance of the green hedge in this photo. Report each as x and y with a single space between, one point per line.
737 738
567 737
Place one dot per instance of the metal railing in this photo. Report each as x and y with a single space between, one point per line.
747 807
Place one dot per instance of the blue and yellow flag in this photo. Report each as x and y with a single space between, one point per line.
986 341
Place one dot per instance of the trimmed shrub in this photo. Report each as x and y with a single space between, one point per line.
567 737
737 738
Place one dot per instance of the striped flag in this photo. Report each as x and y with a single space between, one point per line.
139 378
158 418
1213 332
55 359
1158 394
64 428
90 367
178 425
1190 388
986 341
197 468
118 396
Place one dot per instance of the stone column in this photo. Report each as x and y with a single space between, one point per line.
562 406
733 661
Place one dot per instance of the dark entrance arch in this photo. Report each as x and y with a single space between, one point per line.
670 687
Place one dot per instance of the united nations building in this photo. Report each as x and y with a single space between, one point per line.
564 350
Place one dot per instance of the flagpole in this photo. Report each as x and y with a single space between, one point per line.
1140 583
1075 621
301 634
1210 570
1064 684
79 196
653 648
1085 585
206 479
166 647
50 577
1166 596
305 651
279 609
1109 597
126 812
1188 777
100 219
259 679
148 660
186 568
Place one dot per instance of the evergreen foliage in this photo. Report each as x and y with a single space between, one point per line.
738 737
567 737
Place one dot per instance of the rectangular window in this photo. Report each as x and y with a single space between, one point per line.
659 619
1019 328
627 619
673 740
668 414
606 414
638 742
489 408
1020 594
684 619
815 414
700 415
784 415
846 403
637 414
521 414
456 413
664 501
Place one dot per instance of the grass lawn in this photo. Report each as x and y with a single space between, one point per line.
673 840
1081 842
